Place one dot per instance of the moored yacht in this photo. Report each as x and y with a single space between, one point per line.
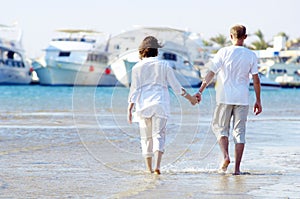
81 58
282 67
177 48
14 67
266 83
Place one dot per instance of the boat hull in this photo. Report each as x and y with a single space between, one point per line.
267 86
122 67
287 75
266 83
66 77
11 75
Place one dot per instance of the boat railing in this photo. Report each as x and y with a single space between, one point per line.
12 62
75 39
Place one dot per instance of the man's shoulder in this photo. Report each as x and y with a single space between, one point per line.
225 49
250 52
244 49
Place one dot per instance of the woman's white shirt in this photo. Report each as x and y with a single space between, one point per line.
150 80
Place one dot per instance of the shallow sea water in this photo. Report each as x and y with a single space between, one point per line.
74 142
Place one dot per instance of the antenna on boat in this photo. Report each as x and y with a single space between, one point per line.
12 28
107 43
80 31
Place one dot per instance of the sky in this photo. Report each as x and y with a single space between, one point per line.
38 19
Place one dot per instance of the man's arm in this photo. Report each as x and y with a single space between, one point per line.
256 84
206 81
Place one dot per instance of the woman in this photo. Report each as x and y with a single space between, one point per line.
150 96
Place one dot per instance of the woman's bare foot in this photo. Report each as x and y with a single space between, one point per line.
225 165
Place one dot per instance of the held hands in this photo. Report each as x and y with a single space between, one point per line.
198 97
193 100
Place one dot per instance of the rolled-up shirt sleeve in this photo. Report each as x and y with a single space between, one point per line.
173 81
134 88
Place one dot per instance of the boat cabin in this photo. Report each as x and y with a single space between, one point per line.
11 58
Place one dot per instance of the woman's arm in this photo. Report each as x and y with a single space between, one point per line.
129 112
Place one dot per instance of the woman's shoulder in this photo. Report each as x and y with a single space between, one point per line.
163 62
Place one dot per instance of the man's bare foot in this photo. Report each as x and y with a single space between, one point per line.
236 173
157 172
241 173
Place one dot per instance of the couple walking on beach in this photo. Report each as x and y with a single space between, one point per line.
149 96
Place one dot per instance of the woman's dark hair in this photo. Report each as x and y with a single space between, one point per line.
148 52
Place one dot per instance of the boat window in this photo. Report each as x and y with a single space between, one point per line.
293 60
97 58
11 58
10 54
64 54
298 60
199 63
117 47
297 72
284 59
278 71
263 71
169 56
186 62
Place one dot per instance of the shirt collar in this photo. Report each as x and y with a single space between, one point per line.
150 58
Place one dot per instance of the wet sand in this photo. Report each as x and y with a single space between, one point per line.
60 160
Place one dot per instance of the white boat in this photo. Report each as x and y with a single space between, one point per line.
14 67
81 58
287 74
266 83
282 67
177 48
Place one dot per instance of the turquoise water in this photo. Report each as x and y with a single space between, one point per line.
75 142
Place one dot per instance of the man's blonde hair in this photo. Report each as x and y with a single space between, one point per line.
238 31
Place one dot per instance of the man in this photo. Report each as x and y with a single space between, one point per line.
232 65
